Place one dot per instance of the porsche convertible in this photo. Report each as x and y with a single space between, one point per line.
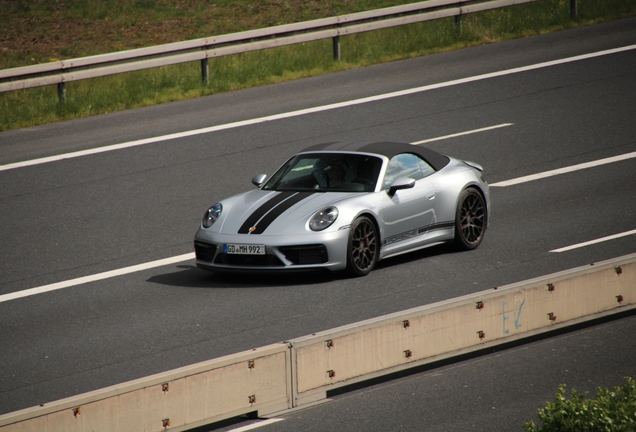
346 206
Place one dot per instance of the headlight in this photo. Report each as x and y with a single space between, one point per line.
211 215
323 219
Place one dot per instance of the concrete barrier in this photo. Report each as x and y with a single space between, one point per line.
387 344
255 380
281 376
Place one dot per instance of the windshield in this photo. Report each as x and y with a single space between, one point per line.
334 172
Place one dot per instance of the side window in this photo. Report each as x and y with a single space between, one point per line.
406 165
427 170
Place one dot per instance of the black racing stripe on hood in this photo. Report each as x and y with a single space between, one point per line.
279 210
260 212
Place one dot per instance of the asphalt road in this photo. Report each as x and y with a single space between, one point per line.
86 215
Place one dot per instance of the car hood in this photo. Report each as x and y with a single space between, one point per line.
261 212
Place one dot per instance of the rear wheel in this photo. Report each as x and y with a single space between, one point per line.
363 247
470 220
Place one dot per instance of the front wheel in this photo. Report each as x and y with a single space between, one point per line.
362 248
470 220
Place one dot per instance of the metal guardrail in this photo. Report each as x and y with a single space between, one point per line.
64 71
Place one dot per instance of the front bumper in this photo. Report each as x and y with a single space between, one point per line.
285 253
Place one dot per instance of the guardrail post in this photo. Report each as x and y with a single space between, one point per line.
573 8
336 48
205 72
61 91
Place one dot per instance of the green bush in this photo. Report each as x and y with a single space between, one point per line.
612 411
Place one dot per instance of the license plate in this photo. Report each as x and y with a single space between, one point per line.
244 249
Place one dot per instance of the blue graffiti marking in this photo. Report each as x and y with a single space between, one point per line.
518 314
505 318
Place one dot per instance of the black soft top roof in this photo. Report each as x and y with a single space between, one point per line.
388 149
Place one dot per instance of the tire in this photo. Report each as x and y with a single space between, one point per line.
470 220
363 247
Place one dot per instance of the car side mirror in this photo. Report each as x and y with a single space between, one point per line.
259 179
401 183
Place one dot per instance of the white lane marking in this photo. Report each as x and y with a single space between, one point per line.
189 256
591 242
256 425
462 133
153 264
312 110
96 277
564 170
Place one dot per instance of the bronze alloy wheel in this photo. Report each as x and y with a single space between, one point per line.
362 250
470 223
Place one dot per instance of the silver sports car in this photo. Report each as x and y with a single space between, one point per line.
346 206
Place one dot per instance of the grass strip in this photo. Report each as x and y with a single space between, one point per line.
38 106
